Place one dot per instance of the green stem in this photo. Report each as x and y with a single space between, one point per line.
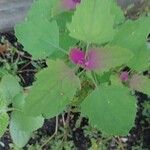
87 47
94 80
9 109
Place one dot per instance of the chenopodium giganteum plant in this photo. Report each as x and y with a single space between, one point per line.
87 42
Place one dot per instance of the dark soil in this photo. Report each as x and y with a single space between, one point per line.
140 134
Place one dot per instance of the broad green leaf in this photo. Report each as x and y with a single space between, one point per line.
54 89
41 8
25 122
93 22
19 137
133 35
21 125
111 109
103 59
4 118
39 37
118 13
9 88
140 83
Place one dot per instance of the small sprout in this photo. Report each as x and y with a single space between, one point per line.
70 4
124 76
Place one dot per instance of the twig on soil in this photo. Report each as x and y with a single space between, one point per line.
22 55
26 65
27 70
51 137
21 78
119 142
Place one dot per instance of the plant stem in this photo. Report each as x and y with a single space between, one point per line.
9 109
27 70
94 80
87 47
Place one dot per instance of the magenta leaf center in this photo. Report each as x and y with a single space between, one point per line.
88 62
70 4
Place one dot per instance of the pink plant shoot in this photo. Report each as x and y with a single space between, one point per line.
77 56
124 76
70 4
89 62
92 61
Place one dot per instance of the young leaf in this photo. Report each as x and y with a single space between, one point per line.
103 59
21 125
92 22
4 118
19 137
140 83
133 35
111 109
25 122
54 89
9 88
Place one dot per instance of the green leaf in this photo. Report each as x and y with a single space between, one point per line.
41 8
62 19
140 61
133 35
118 13
4 118
39 37
111 109
93 22
9 88
104 77
21 125
65 40
140 83
27 123
19 137
54 89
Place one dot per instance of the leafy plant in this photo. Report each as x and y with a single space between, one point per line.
88 41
